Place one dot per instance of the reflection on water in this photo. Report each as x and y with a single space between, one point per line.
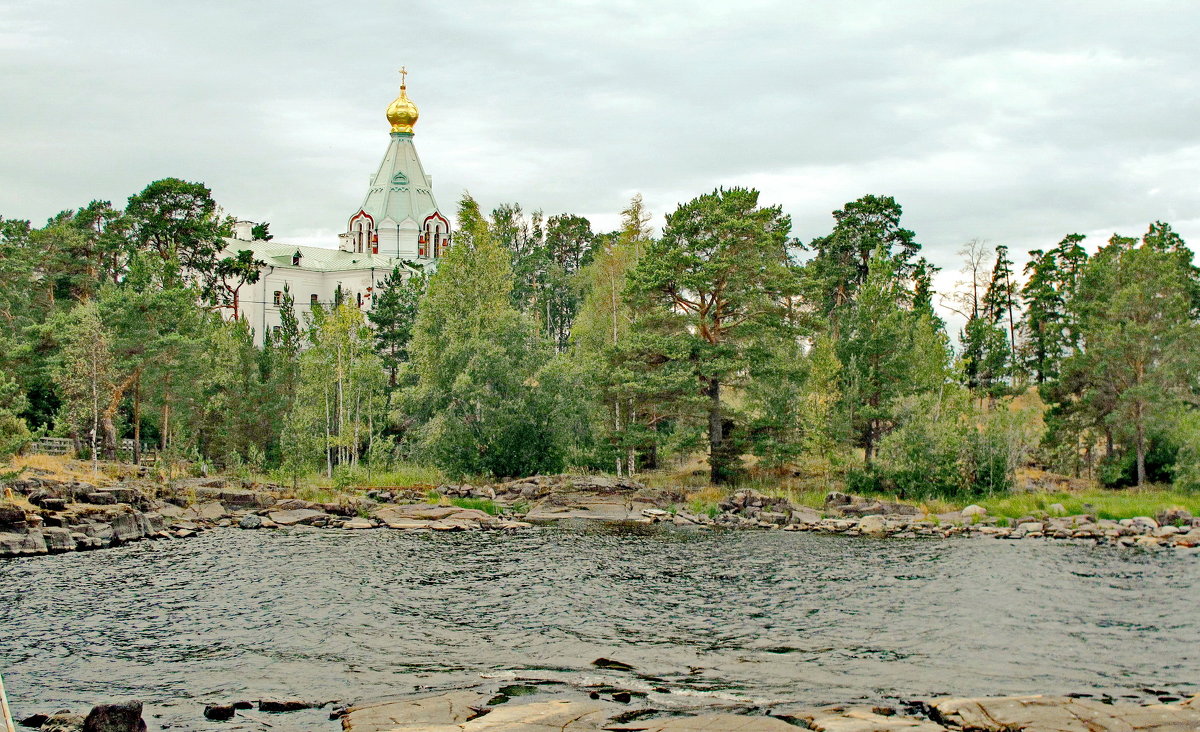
760 616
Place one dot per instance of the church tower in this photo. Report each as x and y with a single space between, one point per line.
399 216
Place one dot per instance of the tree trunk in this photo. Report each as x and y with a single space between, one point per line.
1141 448
137 422
716 457
110 412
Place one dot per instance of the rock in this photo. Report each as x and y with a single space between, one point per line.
170 510
873 526
125 717
284 705
724 723
1174 517
869 720
251 521
63 721
1061 714
589 508
838 499
358 523
612 664
559 715
121 494
58 540
295 516
127 527
12 518
210 511
1056 509
443 711
34 720
15 545
974 510
54 504
100 498
293 504
219 712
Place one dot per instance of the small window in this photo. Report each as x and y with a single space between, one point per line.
275 330
296 259
360 299
312 300
279 297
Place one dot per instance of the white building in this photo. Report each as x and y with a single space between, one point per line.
398 220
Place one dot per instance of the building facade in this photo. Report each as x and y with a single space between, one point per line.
397 221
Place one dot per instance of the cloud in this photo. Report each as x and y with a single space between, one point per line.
1015 122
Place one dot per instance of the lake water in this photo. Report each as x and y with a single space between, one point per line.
759 617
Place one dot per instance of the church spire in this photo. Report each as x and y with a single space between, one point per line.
402 113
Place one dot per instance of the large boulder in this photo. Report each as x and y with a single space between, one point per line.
15 545
12 518
873 526
124 717
58 540
127 527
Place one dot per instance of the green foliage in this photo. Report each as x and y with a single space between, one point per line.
719 284
944 448
486 505
488 405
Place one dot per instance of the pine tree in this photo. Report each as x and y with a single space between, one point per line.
721 277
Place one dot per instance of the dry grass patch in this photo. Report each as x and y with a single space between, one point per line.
57 467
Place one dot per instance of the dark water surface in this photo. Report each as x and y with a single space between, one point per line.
756 616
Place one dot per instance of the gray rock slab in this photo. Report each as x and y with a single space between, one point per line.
866 720
15 545
591 508
444 711
1063 714
297 516
711 723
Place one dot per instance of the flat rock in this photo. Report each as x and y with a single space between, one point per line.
295 516
1062 714
866 720
591 508
415 512
559 715
441 712
714 723
358 524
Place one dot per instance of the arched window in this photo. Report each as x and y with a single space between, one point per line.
279 297
312 300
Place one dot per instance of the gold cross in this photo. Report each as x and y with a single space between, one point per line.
403 75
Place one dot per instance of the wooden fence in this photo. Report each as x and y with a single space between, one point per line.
65 446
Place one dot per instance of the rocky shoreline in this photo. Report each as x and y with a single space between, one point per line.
541 705
75 516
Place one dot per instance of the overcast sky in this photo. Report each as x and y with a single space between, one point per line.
1014 122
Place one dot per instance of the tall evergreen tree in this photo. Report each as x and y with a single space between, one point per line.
721 276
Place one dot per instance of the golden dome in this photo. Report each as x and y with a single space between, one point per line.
402 113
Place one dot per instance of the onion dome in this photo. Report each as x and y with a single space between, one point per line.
402 113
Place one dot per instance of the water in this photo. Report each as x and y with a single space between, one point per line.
762 617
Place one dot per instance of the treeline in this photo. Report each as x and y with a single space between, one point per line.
539 345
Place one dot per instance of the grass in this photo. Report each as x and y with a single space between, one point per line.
1105 504
486 505
57 467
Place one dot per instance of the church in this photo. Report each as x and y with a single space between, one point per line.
398 221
